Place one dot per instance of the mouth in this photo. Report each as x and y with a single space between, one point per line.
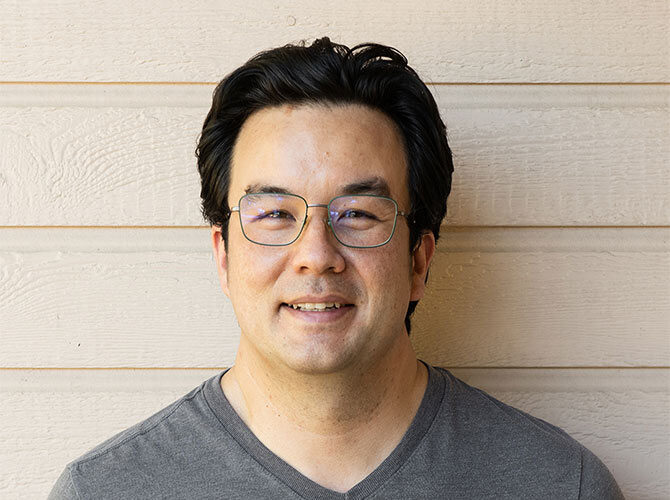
316 306
317 311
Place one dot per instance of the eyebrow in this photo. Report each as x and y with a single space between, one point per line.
265 188
373 185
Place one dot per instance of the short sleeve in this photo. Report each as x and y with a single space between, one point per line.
64 488
597 481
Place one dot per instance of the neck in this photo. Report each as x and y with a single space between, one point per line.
387 390
334 428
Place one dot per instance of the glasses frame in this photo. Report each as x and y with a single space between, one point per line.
329 221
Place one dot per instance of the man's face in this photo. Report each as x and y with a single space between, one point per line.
316 152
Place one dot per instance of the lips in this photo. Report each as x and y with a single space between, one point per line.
318 304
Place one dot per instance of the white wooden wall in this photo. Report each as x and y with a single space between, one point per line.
551 287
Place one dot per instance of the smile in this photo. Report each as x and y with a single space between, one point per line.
315 306
318 312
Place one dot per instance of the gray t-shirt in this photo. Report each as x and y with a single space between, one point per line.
462 443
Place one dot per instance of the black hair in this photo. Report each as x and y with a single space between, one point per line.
369 74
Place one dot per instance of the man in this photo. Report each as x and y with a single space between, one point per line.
325 175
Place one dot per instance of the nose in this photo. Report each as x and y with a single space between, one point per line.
317 250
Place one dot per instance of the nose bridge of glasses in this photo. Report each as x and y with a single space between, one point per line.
318 205
306 221
326 219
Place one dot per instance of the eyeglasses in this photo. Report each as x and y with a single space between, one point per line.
358 221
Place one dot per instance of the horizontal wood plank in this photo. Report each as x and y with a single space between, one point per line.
496 297
455 41
621 415
540 306
524 155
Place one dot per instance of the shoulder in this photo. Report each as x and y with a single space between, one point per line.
596 479
175 414
496 421
140 451
508 440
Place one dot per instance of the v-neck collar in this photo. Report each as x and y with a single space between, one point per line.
301 484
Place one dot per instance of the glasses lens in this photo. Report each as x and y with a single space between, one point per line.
363 221
272 219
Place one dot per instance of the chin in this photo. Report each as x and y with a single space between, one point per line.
318 362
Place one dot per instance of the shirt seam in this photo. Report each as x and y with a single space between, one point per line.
139 432
74 486
581 473
547 428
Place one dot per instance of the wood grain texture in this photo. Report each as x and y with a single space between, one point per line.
524 155
459 40
487 308
496 297
621 415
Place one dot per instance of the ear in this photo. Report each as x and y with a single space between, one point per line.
421 258
221 258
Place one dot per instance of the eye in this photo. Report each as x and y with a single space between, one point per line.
356 214
276 214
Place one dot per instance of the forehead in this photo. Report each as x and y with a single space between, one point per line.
317 151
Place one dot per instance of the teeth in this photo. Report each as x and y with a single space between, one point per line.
315 306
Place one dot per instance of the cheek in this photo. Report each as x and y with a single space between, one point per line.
389 277
253 269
